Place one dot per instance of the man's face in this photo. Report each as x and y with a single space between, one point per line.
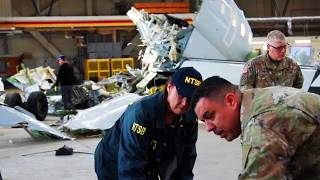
222 118
60 62
177 104
277 49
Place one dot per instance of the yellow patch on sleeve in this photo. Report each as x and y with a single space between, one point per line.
137 128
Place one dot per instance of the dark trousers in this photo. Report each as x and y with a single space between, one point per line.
66 93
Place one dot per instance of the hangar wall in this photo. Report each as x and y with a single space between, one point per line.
272 8
23 42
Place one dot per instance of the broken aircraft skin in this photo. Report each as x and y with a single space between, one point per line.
102 116
39 76
164 36
167 39
215 44
10 116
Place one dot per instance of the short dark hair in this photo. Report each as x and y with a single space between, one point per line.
213 87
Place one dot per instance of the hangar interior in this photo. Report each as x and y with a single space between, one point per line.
94 36
37 31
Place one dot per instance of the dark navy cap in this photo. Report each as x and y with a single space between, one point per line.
61 57
186 80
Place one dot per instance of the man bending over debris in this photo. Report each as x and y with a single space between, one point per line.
155 137
279 127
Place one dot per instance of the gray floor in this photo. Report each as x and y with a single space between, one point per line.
217 159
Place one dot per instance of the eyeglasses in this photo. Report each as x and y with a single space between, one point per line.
280 48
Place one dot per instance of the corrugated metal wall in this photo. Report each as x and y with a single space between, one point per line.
5 8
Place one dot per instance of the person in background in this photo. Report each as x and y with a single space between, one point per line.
66 79
272 68
2 91
155 137
279 127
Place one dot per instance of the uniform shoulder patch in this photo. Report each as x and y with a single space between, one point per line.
139 129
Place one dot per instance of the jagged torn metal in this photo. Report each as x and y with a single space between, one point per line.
10 116
165 38
102 116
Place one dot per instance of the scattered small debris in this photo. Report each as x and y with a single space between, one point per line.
63 151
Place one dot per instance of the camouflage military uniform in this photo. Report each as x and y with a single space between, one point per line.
262 72
280 134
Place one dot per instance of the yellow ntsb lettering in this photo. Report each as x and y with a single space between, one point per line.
193 81
138 129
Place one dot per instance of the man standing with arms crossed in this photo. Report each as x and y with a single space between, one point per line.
272 68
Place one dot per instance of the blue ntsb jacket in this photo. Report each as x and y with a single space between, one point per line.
140 142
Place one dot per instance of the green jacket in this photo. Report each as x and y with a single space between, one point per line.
280 134
262 72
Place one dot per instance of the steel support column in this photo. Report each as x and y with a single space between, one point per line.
5 8
5 45
89 7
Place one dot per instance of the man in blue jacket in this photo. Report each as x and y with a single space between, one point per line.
155 138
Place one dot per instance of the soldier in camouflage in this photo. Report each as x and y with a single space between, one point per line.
272 68
279 127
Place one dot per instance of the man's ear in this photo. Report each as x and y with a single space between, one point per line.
169 85
231 99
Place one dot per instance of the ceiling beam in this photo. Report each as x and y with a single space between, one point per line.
45 11
50 8
275 8
45 43
285 7
36 6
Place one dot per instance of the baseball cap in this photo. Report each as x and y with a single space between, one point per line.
186 80
61 57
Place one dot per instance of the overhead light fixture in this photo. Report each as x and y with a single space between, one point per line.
258 42
302 41
7 28
11 32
